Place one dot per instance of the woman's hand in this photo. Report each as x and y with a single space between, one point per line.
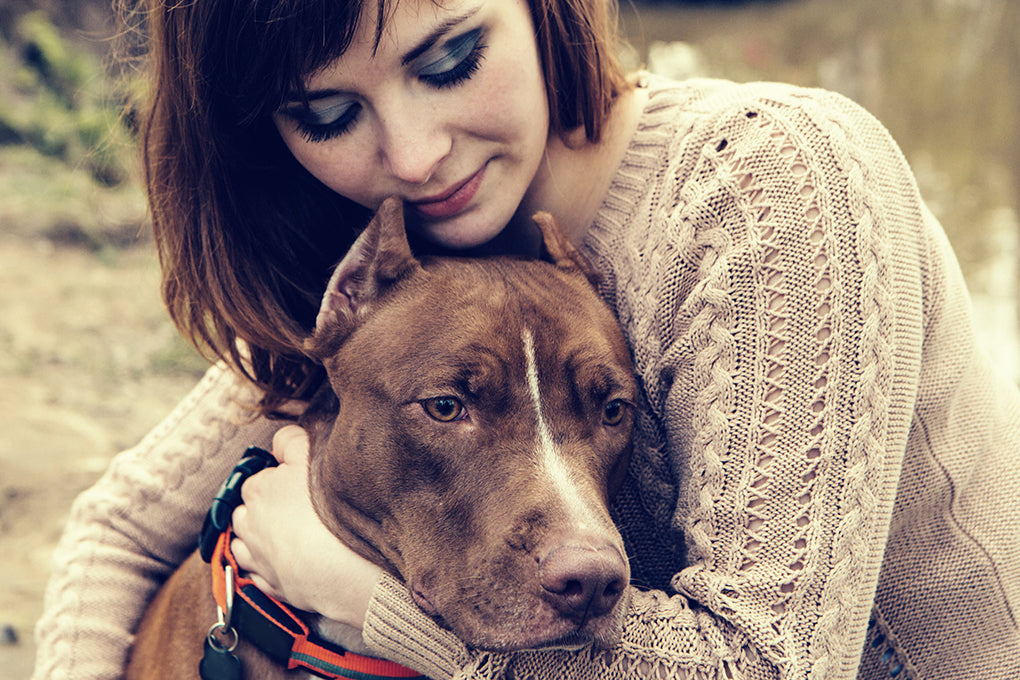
286 548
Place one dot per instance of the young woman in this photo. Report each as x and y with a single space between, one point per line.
823 479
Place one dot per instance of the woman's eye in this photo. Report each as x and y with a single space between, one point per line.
444 409
324 118
613 412
328 117
460 58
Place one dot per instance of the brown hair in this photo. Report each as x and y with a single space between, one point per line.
246 236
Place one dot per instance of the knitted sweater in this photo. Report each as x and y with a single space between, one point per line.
823 464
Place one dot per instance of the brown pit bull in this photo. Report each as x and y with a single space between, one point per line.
480 420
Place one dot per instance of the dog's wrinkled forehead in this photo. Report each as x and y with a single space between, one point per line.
472 330
485 306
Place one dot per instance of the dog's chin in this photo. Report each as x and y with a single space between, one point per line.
568 643
564 635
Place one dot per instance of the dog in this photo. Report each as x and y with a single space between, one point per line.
478 422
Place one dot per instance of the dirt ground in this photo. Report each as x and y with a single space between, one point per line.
88 363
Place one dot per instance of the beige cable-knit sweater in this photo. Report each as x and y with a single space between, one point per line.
824 462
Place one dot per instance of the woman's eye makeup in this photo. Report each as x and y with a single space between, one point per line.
324 118
458 60
446 65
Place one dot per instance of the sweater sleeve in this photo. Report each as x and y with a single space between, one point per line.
134 526
762 251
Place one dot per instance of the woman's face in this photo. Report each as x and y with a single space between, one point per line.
447 111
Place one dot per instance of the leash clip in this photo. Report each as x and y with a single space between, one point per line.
223 625
218 661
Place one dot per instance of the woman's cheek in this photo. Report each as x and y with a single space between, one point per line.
516 95
353 180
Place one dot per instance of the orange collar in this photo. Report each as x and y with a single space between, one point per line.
273 627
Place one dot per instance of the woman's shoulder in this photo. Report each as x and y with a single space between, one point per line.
717 96
715 161
705 110
703 135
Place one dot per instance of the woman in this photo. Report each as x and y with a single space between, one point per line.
822 458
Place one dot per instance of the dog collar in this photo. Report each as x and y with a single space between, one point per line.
269 624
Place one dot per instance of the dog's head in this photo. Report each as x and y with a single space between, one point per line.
483 418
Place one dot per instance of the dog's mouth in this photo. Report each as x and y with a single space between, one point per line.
423 601
526 624
570 596
534 640
554 636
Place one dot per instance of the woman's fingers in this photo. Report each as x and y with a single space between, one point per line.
275 516
286 549
290 447
290 443
245 561
241 554
266 587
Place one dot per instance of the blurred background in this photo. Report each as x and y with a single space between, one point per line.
89 361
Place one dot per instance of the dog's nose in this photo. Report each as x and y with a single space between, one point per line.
582 583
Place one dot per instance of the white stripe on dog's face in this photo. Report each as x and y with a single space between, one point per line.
550 461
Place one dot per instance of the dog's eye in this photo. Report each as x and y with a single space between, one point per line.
444 409
613 412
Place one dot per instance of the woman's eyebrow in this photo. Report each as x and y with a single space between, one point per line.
434 37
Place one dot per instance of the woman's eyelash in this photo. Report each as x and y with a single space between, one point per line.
459 73
464 53
320 132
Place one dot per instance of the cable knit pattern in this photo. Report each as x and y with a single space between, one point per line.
824 476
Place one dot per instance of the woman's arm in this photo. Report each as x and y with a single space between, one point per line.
134 526
773 302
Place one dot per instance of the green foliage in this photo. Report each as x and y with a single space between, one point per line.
58 100
62 71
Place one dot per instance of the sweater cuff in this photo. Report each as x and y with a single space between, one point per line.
396 629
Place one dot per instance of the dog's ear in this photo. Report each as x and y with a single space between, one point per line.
561 251
379 258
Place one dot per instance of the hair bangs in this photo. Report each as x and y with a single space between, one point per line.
274 46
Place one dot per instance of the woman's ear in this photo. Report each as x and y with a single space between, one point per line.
379 258
561 251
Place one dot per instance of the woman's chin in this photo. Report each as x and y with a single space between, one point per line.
463 232
502 237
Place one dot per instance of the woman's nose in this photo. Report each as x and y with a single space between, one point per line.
413 146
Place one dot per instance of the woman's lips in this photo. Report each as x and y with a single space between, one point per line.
454 202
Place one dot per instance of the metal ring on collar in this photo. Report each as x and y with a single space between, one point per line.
225 618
